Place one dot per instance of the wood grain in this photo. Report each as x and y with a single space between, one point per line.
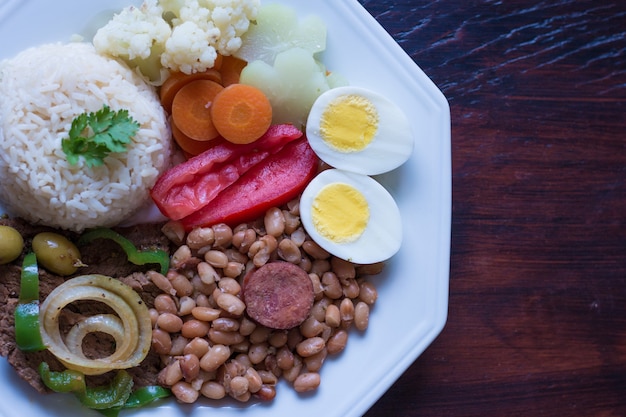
537 319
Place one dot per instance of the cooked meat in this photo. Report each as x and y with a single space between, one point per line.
101 257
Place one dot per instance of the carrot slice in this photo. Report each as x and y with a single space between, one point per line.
191 109
241 113
230 69
217 65
190 147
177 80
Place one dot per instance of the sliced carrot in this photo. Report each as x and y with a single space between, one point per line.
191 109
218 62
191 147
177 80
241 113
231 69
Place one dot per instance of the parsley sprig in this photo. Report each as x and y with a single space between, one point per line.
95 135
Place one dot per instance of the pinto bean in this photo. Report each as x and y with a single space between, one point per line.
164 304
254 380
190 367
184 392
207 273
337 342
289 251
194 328
306 382
239 386
310 346
225 338
342 268
200 237
368 292
205 313
216 258
161 341
274 222
213 390
314 250
161 282
197 346
180 283
242 239
266 393
258 352
231 303
169 322
314 362
361 315
215 357
223 235
333 316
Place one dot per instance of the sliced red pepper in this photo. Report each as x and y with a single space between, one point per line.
275 181
189 186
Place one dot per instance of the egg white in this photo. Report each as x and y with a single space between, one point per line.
392 144
382 236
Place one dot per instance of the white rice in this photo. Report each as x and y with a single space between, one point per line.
41 91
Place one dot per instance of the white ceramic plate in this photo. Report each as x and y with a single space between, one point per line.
413 292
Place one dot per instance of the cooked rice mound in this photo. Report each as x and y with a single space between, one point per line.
41 91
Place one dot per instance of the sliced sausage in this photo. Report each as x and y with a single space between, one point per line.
278 295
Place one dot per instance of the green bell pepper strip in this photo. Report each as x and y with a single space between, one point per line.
134 255
29 280
145 395
98 398
66 381
108 400
139 398
110 396
26 314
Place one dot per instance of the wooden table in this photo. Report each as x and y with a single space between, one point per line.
537 316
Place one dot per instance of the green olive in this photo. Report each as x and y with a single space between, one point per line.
11 244
56 253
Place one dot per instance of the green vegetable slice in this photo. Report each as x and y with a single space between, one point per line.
110 399
146 395
134 255
26 314
65 381
109 396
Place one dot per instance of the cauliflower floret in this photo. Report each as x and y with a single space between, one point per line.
176 35
223 23
133 31
136 35
232 22
188 49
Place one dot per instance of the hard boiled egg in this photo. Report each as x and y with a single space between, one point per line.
358 130
351 216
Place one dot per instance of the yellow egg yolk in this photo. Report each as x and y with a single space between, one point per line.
349 123
340 213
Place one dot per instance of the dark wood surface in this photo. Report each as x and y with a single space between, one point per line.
537 315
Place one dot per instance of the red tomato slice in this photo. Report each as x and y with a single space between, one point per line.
189 186
271 183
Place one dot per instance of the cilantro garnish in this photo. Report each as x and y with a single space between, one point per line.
95 135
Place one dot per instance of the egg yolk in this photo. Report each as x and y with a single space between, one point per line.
349 123
340 213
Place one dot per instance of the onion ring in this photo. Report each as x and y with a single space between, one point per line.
131 328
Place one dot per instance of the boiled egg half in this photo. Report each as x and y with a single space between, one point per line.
358 130
351 216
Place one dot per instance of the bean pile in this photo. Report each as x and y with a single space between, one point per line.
210 348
